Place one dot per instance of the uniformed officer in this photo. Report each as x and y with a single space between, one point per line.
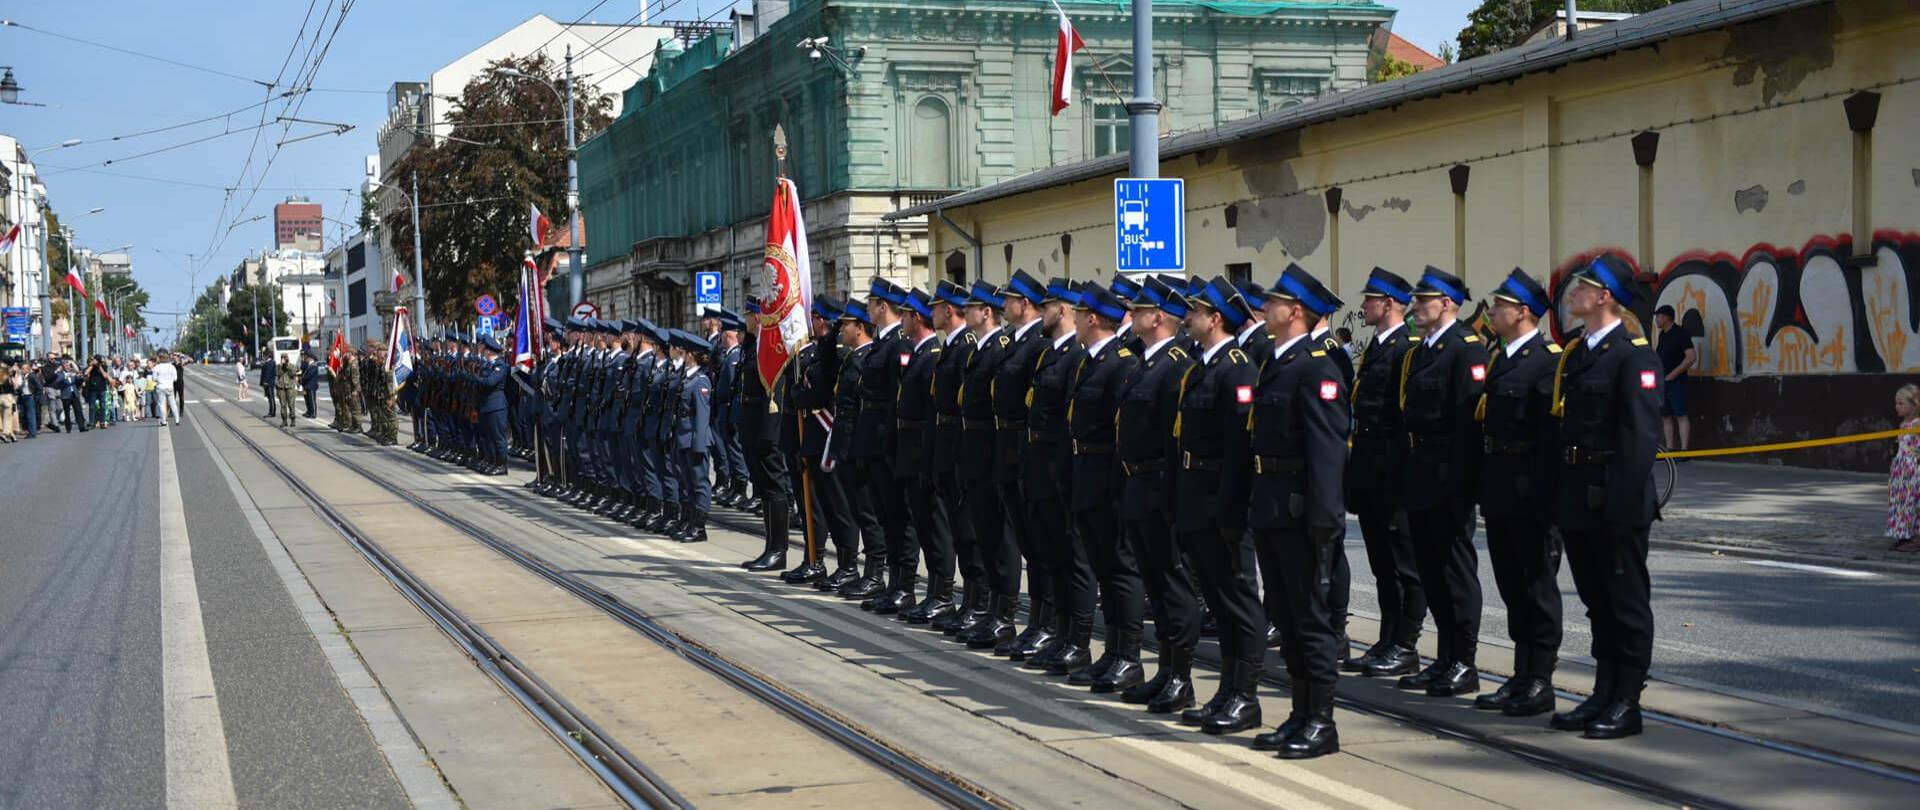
1126 291
763 413
952 552
283 382
662 400
1211 484
632 444
693 438
730 466
1517 470
1298 436
874 450
1094 393
548 427
573 382
855 334
1007 551
377 383
1440 384
609 401
1000 572
1148 453
1339 596
826 511
1373 481
490 386
1046 476
918 355
346 403
1607 395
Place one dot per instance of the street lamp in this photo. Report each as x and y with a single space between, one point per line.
419 279
9 89
576 270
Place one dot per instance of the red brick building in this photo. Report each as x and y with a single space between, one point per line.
296 224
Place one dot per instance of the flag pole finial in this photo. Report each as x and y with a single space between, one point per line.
780 150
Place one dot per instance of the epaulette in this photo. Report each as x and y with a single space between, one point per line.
970 337
1639 341
1124 352
1554 348
934 350
1176 353
1005 341
1413 339
1318 354
1471 339
1237 356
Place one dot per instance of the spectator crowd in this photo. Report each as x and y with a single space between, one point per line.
59 395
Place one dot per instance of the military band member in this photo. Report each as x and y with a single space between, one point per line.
1440 384
994 623
1607 394
874 438
952 552
1148 454
1046 477
1298 435
693 439
918 354
1373 482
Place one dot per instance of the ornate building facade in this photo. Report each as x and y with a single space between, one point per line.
891 103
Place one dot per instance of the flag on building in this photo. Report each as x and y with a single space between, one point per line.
540 227
13 235
398 280
128 329
101 307
526 344
400 349
783 312
1063 51
334 354
73 280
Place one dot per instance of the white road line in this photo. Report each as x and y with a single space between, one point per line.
195 401
1818 569
215 399
198 774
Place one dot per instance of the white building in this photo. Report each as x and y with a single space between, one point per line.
359 261
22 202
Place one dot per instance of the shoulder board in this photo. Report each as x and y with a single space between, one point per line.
1413 339
1554 348
1236 355
1124 352
1471 339
1005 341
1639 341
1176 353
934 350
970 337
1319 354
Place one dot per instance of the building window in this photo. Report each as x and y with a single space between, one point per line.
1111 129
1241 274
957 268
931 139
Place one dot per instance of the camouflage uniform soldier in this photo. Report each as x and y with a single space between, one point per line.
378 388
347 403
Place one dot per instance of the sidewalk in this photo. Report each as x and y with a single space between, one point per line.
1781 510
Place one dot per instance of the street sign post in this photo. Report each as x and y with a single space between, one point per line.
586 309
485 305
1150 225
485 325
706 288
19 323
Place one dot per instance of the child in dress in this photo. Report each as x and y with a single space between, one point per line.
1903 480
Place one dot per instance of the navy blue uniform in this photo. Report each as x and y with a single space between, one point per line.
693 438
1440 387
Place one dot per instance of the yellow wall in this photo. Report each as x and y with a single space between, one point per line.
1743 113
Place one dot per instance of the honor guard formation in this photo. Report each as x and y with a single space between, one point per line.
1185 450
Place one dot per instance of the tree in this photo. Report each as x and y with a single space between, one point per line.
1390 68
1447 53
127 299
505 150
250 311
1500 24
369 213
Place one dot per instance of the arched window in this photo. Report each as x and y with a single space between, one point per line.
931 161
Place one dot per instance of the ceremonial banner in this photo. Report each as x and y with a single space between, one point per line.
538 227
334 354
783 324
400 349
526 324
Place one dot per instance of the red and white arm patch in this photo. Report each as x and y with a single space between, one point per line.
1243 394
905 358
1649 381
1329 390
1479 372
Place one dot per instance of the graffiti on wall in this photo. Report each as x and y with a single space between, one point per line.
1781 310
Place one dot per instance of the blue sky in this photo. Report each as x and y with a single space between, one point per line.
170 204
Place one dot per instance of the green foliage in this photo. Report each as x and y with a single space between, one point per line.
1390 68
505 149
1500 24
1447 53
126 297
369 213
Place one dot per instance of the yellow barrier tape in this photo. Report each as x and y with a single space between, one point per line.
1799 445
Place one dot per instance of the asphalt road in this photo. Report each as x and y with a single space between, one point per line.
81 660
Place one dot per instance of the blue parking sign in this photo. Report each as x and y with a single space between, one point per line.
1150 225
706 287
486 325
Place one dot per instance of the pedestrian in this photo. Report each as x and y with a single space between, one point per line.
8 397
180 362
1677 358
69 383
32 391
166 379
309 380
96 390
269 381
1903 480
1346 344
129 379
240 380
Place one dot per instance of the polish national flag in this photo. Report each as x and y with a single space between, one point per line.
128 330
1063 52
331 306
73 280
13 235
398 281
540 226
101 307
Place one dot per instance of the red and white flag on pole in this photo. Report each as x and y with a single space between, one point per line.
540 227
101 307
1063 52
331 306
73 280
13 235
783 312
398 280
128 331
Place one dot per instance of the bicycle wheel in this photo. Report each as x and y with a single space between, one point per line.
1666 473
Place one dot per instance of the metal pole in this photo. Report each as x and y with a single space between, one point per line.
1573 17
253 292
80 334
46 291
576 269
1143 109
419 276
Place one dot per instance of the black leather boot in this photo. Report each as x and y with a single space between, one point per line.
973 613
868 585
1071 647
1317 737
847 570
900 596
1621 716
1583 714
808 572
1276 739
1536 695
695 529
1141 693
1442 661
778 540
1371 657
1176 688
1125 671
1109 648
998 626
938 604
1500 697
1461 677
1241 711
1198 715
1036 637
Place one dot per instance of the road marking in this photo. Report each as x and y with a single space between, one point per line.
1818 569
215 399
194 401
198 774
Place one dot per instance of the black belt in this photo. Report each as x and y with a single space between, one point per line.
1575 455
1188 462
1005 424
1501 447
1429 439
977 424
1048 436
1273 465
1081 448
947 419
910 424
1147 466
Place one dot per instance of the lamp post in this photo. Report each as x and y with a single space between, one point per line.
576 270
419 277
26 201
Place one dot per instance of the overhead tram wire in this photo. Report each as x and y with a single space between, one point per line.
131 52
254 148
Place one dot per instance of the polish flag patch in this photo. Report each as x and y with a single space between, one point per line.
1329 390
1243 394
1479 373
1649 381
905 357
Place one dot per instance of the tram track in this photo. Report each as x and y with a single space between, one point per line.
626 775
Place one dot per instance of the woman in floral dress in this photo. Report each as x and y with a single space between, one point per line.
1903 480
